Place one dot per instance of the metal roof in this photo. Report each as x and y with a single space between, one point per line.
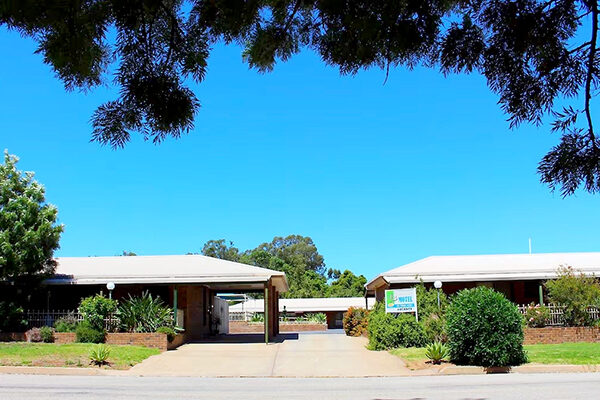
483 268
306 304
161 270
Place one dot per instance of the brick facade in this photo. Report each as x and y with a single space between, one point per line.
248 327
155 340
560 334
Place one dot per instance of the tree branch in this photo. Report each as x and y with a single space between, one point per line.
590 71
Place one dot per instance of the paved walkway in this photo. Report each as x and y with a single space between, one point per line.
296 355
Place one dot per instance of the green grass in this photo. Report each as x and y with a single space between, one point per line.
565 353
69 355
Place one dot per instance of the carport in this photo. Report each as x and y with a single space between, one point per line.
188 282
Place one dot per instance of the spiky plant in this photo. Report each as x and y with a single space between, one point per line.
436 352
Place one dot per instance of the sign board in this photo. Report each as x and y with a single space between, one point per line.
401 300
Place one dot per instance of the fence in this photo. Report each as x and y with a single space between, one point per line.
39 318
556 313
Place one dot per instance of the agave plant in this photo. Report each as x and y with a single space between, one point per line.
144 314
99 354
436 352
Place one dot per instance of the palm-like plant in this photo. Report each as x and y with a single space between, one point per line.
436 352
144 314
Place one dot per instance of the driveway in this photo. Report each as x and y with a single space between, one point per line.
295 355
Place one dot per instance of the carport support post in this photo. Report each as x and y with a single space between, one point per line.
266 314
175 305
541 295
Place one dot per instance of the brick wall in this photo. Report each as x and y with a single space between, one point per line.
12 336
64 337
247 327
559 334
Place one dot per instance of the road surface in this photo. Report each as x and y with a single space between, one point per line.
504 387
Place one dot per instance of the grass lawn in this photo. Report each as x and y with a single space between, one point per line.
565 353
69 355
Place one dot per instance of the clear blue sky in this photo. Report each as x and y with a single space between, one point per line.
378 175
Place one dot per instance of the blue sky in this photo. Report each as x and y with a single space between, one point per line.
378 175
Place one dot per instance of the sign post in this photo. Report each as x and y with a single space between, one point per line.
401 301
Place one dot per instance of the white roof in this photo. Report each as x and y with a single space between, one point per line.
306 304
483 268
160 269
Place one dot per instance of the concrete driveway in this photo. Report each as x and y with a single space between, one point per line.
295 355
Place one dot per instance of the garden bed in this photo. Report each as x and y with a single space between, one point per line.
69 355
558 354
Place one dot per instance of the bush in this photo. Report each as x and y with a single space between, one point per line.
47 334
537 316
33 335
86 333
12 317
355 321
99 354
427 303
95 309
436 352
257 317
318 318
144 314
485 329
434 327
575 292
388 331
66 324
167 330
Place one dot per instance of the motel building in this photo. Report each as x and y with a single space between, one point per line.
520 277
190 284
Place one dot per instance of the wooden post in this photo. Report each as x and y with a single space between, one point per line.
266 314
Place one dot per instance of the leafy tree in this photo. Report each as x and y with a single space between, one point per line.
296 250
347 285
575 292
221 249
28 231
533 54
128 254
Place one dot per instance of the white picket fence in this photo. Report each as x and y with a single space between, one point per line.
556 313
39 318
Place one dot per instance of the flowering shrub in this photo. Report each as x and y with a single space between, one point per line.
537 316
355 321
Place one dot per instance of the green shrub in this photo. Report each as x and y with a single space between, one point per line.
47 334
99 354
388 331
575 292
86 333
484 329
12 317
257 317
434 326
537 316
318 318
95 309
167 330
33 335
427 301
66 324
144 314
355 321
436 352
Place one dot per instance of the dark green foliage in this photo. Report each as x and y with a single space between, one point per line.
86 333
12 317
169 331
347 285
532 53
221 249
47 334
427 303
434 326
575 292
436 352
388 331
355 321
144 314
65 324
485 329
96 309
28 231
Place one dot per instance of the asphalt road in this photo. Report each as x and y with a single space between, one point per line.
505 387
